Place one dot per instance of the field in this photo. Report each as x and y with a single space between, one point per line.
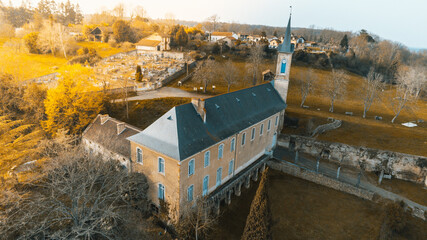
25 65
355 130
304 210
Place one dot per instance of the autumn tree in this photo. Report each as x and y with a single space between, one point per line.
336 86
307 78
181 37
138 74
372 86
344 42
409 83
73 103
229 73
197 221
19 141
255 59
206 73
31 42
122 31
78 196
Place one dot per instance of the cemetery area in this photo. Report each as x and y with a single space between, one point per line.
119 70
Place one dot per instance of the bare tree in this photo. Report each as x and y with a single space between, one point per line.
410 82
255 60
205 73
196 221
213 22
77 197
230 73
372 86
119 10
307 79
336 86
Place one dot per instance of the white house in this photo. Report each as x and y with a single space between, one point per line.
215 36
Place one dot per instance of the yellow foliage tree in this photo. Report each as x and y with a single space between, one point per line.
18 143
73 103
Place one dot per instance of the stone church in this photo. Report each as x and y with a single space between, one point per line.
207 148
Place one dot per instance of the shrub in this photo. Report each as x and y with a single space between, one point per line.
258 220
31 42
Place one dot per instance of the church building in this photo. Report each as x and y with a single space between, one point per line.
210 147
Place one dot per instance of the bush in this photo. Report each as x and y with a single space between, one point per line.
31 42
258 220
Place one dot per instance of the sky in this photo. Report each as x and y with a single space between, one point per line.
395 20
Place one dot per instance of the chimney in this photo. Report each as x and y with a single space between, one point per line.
104 118
120 128
199 105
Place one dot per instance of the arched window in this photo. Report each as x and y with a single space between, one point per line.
139 155
232 144
220 151
161 165
161 192
207 158
205 185
243 138
218 176
191 167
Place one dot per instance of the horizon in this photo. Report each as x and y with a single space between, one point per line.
338 15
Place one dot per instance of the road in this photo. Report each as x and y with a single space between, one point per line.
165 92
330 170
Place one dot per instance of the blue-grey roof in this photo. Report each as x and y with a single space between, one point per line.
286 46
181 132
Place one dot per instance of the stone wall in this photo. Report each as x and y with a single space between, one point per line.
399 165
320 179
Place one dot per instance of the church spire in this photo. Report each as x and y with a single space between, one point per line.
286 46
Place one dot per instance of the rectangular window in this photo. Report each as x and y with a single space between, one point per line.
231 167
218 176
205 185
232 144
161 165
253 134
191 167
277 121
190 193
243 138
139 155
261 130
269 125
220 151
161 193
207 158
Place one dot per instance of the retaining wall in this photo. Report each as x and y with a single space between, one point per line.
320 179
399 165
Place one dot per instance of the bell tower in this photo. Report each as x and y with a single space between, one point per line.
283 65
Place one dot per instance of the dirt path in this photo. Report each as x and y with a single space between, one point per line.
165 92
331 171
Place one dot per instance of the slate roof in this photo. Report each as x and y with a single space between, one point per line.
286 46
181 132
106 135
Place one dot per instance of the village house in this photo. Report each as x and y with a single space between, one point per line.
215 36
207 148
97 33
274 43
228 40
154 42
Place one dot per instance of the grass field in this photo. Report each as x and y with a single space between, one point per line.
25 65
103 49
304 210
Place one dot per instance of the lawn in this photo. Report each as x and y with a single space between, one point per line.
305 210
103 49
26 65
